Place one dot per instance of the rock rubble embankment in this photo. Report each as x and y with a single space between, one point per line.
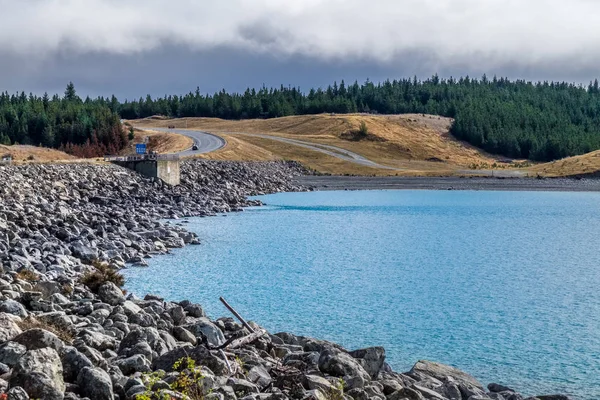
63 339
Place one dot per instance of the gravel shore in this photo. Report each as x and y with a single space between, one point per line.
328 182
68 331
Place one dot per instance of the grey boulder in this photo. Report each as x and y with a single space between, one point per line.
340 364
8 327
135 363
10 352
38 338
111 294
73 361
203 327
17 393
40 373
442 372
371 359
13 307
95 384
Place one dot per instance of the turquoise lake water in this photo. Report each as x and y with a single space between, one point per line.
504 285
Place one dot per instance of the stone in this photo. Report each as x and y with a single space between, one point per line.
340 364
148 335
95 384
9 327
497 388
259 376
203 327
371 359
199 354
428 393
17 393
183 335
111 294
13 307
130 365
40 373
195 310
441 372
38 338
135 390
312 382
10 352
406 393
73 361
83 252
242 386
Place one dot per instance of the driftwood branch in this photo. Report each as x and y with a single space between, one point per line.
226 361
237 315
246 339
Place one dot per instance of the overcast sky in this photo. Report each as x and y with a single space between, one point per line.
135 47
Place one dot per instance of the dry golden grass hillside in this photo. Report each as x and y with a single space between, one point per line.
586 164
160 141
25 154
408 142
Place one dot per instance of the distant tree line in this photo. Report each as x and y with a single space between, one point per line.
540 121
85 128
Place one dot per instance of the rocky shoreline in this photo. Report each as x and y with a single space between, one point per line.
67 330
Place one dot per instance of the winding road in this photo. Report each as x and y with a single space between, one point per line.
206 142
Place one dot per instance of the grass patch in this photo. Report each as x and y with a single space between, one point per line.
101 274
27 276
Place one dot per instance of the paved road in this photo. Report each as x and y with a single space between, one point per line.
206 142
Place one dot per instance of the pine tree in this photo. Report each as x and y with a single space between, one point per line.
70 93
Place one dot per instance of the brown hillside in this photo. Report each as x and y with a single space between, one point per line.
393 140
586 164
23 153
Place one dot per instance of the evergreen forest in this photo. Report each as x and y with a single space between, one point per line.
540 121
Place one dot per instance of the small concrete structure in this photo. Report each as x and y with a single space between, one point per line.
162 166
6 159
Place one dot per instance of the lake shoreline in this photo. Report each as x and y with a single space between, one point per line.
332 182
67 331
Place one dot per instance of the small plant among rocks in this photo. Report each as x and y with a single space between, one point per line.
28 276
102 274
190 379
189 382
150 379
336 392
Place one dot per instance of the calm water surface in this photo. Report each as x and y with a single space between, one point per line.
504 285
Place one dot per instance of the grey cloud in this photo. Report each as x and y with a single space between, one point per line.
134 47
526 32
173 69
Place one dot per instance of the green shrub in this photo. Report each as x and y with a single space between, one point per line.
363 131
